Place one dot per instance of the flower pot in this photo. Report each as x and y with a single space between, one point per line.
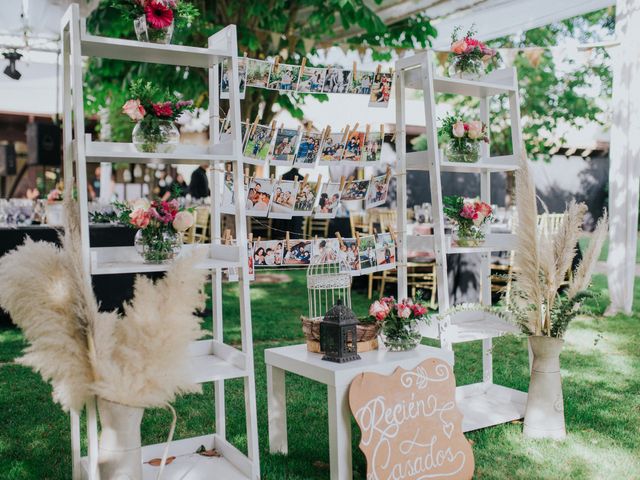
473 237
466 68
544 415
157 246
401 341
161 137
146 32
468 152
119 447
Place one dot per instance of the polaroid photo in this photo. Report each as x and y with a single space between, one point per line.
367 254
349 251
378 191
326 250
332 149
226 73
385 251
361 83
298 252
311 80
355 190
373 147
268 253
259 196
258 144
337 80
381 90
284 77
285 146
308 150
329 201
284 199
353 148
228 203
305 199
258 72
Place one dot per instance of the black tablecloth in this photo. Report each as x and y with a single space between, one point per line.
111 290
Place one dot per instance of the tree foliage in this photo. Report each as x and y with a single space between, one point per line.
256 20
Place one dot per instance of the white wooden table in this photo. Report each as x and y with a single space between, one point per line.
337 377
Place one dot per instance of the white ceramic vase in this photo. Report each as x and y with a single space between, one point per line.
119 451
544 415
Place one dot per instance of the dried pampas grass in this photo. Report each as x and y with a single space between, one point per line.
583 273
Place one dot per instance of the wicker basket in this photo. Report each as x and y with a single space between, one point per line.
367 335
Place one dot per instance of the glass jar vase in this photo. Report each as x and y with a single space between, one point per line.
468 237
466 68
463 151
401 338
161 137
146 32
157 246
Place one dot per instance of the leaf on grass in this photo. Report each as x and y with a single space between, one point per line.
321 465
208 453
516 422
155 462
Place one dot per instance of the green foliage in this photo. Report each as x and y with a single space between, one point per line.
184 12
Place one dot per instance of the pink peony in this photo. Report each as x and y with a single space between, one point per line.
475 130
418 310
468 211
483 208
134 110
458 129
379 310
404 310
459 47
159 15
183 221
388 300
140 218
163 109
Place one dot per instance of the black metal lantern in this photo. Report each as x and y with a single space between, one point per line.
338 335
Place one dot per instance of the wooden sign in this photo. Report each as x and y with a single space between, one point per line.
411 427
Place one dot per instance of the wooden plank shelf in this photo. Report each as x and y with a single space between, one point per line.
114 260
485 405
420 161
494 242
114 152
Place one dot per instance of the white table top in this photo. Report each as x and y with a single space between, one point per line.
297 359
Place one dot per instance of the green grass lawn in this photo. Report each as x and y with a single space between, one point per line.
584 243
601 375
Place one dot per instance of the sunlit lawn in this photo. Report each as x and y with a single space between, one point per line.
601 388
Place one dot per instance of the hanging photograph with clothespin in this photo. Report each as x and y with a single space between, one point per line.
332 149
373 146
355 190
349 251
268 253
297 252
258 72
284 149
305 197
258 144
361 83
329 200
309 149
311 80
337 80
284 77
325 249
226 74
367 253
385 251
354 146
259 196
284 198
227 204
378 190
381 89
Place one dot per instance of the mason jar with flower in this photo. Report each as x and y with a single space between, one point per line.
469 56
469 215
160 225
462 139
154 20
155 130
400 322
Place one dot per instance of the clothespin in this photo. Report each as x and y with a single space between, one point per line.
342 182
358 239
254 126
393 137
382 132
273 125
304 62
366 132
355 127
295 179
250 238
287 240
304 181
315 238
346 134
258 241
354 70
326 132
227 236
318 183
378 69
375 232
388 174
393 234
276 64
350 179
340 239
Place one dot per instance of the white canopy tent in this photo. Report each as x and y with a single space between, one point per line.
39 19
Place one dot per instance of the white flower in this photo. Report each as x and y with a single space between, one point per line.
183 221
141 204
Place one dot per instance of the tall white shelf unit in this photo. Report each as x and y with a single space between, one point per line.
485 403
212 360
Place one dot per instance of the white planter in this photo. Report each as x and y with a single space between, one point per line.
544 415
119 450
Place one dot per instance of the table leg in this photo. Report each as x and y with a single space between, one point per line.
277 410
339 432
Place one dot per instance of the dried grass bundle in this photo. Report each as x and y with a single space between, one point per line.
583 273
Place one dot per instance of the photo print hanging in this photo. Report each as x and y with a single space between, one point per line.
258 72
259 193
306 198
298 252
258 144
268 253
349 251
308 150
226 73
332 149
337 80
381 90
311 80
326 250
378 190
284 199
373 146
227 204
285 146
355 190
361 83
353 147
329 200
284 77
385 251
367 253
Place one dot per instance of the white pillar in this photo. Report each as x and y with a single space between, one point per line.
624 157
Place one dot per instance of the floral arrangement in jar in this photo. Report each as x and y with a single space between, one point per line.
154 20
400 322
469 215
160 226
469 56
155 130
462 138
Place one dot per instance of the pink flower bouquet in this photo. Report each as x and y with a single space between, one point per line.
399 321
468 55
469 215
462 138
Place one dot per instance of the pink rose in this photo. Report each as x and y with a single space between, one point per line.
183 221
468 211
379 310
134 110
458 129
404 311
418 310
475 130
459 47
484 208
140 218
388 300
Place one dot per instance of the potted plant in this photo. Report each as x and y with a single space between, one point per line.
160 225
155 130
154 20
468 56
543 302
462 139
468 215
400 322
